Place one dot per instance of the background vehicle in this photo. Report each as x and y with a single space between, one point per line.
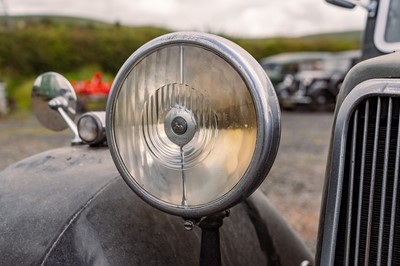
280 65
318 84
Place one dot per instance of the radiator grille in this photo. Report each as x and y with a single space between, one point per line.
369 224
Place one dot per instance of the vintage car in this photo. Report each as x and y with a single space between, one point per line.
316 86
280 65
168 175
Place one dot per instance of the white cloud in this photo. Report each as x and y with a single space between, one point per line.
251 18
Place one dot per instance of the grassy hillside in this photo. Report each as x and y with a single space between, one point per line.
31 45
331 42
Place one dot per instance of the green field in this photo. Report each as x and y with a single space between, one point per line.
77 48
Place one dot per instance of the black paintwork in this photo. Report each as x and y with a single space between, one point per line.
369 48
70 207
386 66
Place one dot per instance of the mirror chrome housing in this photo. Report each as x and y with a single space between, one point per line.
371 6
193 124
342 3
53 101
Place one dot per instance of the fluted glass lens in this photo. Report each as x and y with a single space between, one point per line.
185 125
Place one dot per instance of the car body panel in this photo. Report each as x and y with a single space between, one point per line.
70 206
40 195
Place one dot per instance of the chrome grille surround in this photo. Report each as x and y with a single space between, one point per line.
357 227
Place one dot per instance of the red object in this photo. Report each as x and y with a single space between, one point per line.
95 87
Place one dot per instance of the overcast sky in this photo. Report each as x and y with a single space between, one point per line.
242 18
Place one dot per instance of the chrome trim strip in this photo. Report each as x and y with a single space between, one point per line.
394 199
365 131
372 187
351 189
181 61
384 185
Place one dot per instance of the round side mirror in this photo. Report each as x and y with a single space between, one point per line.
52 94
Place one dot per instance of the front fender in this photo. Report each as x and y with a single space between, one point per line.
70 206
40 195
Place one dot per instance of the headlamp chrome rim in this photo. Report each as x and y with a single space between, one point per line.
265 104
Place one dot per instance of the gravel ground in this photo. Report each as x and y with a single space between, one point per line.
22 135
294 184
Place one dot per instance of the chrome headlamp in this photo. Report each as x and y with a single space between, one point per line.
91 128
193 123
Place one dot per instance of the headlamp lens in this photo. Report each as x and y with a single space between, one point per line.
88 130
184 125
91 128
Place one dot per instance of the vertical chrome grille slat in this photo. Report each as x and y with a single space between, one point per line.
361 186
384 182
372 186
350 209
394 198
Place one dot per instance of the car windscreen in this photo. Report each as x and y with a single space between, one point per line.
392 33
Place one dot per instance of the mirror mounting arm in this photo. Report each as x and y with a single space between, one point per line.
371 6
59 104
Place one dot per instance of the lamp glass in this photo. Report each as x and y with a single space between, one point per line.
185 125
